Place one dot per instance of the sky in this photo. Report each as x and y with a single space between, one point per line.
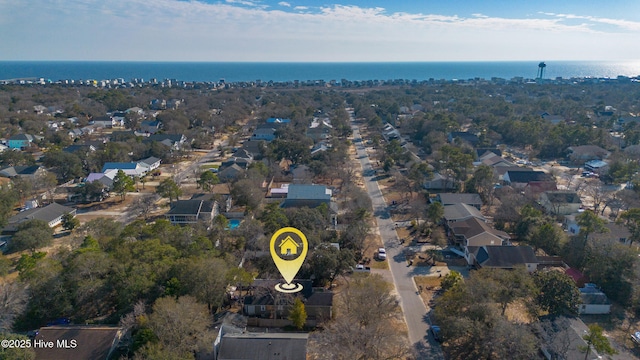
318 31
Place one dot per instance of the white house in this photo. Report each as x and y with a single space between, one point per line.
594 301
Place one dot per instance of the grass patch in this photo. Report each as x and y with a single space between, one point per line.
427 282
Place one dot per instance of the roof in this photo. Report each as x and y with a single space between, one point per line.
308 192
466 136
473 227
461 211
79 147
263 346
482 151
25 137
563 197
12 171
596 164
453 198
190 207
588 150
161 137
505 256
526 176
272 120
593 297
47 213
119 166
149 161
92 343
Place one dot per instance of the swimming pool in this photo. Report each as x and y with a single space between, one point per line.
233 224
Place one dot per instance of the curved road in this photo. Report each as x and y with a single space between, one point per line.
414 310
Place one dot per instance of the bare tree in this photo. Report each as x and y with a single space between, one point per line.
144 204
556 336
13 299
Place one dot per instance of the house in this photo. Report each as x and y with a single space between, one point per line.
615 232
520 178
593 301
502 257
307 195
553 119
78 342
75 133
266 134
32 172
560 202
318 302
461 212
494 161
458 198
464 136
105 178
482 152
151 163
131 168
596 166
20 141
440 182
273 120
103 121
230 172
319 129
82 149
3 147
261 346
158 104
500 171
150 126
475 232
242 162
580 154
173 141
184 212
51 214
220 194
535 188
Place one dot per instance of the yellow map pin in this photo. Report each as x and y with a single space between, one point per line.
288 248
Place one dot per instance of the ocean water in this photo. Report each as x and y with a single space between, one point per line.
235 72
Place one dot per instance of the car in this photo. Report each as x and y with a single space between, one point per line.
382 254
636 337
435 331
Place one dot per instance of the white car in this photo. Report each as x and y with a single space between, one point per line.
382 254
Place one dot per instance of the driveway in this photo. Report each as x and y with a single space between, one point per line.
415 312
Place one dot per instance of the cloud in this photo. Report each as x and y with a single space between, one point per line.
249 30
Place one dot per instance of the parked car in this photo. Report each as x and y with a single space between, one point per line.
382 254
435 331
636 337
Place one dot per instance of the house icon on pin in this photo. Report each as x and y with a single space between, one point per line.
288 246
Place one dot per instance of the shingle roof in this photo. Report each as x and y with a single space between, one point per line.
563 197
187 207
461 211
473 227
263 346
505 256
149 161
91 342
308 192
47 213
12 171
453 198
525 176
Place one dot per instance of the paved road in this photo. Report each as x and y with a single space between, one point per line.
415 312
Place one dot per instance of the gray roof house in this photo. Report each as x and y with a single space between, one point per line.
191 211
475 232
301 195
593 301
461 212
52 214
262 346
83 342
29 172
502 257
151 163
454 198
560 202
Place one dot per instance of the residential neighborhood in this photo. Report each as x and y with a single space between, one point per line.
433 227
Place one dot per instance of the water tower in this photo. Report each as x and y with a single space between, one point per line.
541 67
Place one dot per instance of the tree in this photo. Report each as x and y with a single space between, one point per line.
31 235
558 293
206 281
207 180
142 205
13 300
435 212
453 278
298 314
362 330
69 222
181 325
483 182
596 340
631 219
505 286
16 353
547 237
169 189
590 223
123 183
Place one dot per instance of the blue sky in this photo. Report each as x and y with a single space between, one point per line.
304 30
